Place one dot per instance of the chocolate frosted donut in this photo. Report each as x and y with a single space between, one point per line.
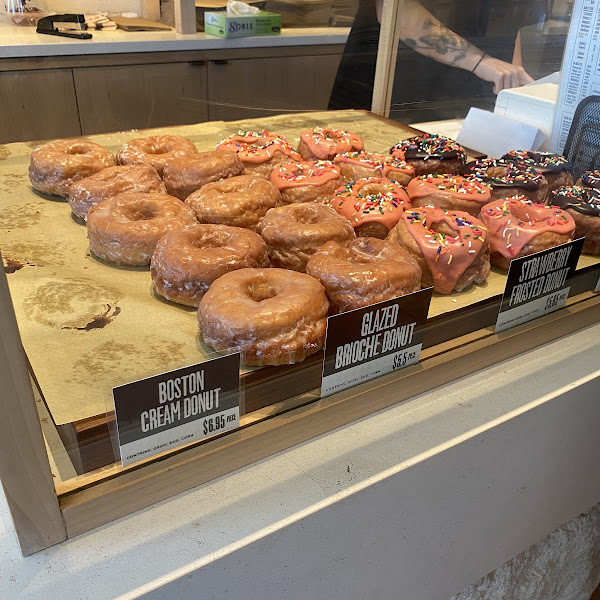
325 144
110 182
431 153
554 167
187 260
360 165
590 179
56 166
508 178
314 181
583 204
186 174
366 271
157 151
272 316
296 231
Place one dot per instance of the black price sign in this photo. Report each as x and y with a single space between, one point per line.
369 342
538 284
175 408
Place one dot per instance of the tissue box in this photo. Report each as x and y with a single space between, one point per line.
260 23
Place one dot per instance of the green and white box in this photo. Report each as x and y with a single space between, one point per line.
222 25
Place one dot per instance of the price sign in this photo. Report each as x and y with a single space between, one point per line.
369 342
175 408
538 284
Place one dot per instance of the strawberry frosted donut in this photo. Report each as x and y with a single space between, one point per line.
554 167
187 260
365 272
56 166
186 174
518 227
359 165
450 192
240 201
110 182
296 231
260 151
325 144
306 181
430 153
451 247
272 316
124 229
508 178
157 151
373 206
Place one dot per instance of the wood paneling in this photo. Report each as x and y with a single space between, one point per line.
37 105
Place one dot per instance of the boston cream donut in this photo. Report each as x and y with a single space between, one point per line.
554 167
583 204
110 182
296 231
157 151
509 178
451 192
451 247
324 144
366 271
240 201
272 316
124 229
56 166
186 174
306 181
373 206
187 260
430 153
518 227
359 165
260 151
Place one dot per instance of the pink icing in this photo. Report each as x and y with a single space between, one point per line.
447 257
453 185
384 164
513 222
326 142
258 147
299 174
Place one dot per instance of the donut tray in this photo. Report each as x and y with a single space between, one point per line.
87 326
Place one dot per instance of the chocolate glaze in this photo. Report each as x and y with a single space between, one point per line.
430 146
584 200
518 175
591 179
545 163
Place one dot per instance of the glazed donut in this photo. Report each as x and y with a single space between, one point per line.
272 316
240 201
451 247
124 229
260 151
296 231
583 204
156 151
508 178
554 167
325 144
56 166
187 260
365 272
110 182
590 179
186 174
450 192
518 227
431 153
306 181
373 206
360 165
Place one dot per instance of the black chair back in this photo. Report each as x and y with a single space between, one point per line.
583 143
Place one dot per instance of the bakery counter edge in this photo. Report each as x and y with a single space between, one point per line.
21 42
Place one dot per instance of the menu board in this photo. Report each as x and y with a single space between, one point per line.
580 75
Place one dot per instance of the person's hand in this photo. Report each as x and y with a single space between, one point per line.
502 74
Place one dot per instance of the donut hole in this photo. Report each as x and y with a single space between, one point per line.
496 172
209 241
362 251
373 189
442 227
158 149
142 212
259 290
78 149
307 215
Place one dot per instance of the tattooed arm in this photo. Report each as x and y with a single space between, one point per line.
422 32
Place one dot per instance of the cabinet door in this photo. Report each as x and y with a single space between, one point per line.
37 105
140 96
258 87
